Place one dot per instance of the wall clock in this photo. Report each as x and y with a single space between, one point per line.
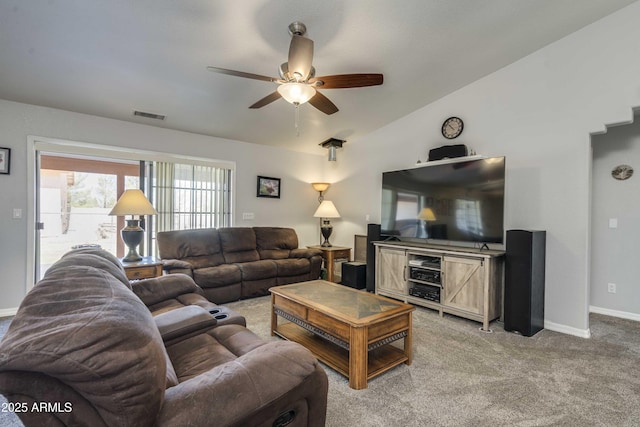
622 172
452 127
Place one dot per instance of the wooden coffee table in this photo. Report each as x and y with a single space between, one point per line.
349 330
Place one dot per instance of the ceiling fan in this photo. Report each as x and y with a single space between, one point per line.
297 82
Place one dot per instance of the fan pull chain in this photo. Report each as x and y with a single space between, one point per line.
297 119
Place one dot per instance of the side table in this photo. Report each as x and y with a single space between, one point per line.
330 254
147 268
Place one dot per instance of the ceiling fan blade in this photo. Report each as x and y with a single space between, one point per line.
323 103
267 100
343 81
300 57
243 74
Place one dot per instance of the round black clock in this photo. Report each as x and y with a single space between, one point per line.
452 127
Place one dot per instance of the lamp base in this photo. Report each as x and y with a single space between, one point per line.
132 236
326 229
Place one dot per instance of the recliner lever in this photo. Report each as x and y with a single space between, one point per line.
285 418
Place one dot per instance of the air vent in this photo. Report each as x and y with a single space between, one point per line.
149 115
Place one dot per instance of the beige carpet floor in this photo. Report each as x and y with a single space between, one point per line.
461 376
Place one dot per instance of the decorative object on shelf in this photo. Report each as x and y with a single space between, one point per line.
320 187
426 215
5 160
325 211
622 172
332 144
448 152
132 202
268 187
452 127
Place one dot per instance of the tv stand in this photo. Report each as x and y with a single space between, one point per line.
465 282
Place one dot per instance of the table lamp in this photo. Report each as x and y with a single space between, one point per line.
325 211
132 202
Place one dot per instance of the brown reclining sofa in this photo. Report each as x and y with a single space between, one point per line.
85 350
238 262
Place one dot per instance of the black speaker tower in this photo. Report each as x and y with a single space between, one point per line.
373 235
524 282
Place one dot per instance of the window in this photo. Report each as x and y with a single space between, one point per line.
190 196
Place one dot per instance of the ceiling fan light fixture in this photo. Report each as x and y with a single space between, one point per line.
296 93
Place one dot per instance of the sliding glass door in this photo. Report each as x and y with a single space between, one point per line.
75 195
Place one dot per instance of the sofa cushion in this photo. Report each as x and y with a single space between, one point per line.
292 267
238 244
198 247
98 258
84 327
256 270
203 352
275 242
221 275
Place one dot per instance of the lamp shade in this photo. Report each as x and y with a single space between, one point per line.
133 202
296 93
326 210
427 214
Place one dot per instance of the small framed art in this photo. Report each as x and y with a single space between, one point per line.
268 187
5 160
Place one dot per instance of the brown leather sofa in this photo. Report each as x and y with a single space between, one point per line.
238 262
83 349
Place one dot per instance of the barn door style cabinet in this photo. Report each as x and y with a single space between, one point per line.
465 282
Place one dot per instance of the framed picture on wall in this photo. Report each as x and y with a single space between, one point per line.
5 160
268 187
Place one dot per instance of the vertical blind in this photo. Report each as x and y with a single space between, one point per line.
190 196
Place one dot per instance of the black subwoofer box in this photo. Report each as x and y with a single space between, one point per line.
448 152
353 274
524 282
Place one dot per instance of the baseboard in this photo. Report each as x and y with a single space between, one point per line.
564 329
614 313
7 312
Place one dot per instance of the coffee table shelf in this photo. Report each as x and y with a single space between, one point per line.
379 360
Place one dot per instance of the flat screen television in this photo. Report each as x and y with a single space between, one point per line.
458 201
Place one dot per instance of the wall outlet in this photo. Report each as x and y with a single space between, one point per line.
248 216
611 288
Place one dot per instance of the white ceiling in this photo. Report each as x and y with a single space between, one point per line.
110 57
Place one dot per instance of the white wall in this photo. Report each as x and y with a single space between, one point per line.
539 113
295 208
614 250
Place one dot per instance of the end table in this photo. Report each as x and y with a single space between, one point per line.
147 268
330 254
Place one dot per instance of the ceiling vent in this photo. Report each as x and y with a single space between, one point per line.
149 115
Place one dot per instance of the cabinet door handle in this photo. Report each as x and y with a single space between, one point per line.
404 273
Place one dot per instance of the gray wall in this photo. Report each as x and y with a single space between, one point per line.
615 250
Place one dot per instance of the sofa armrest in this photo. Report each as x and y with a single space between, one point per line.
177 266
181 323
304 253
262 377
153 291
